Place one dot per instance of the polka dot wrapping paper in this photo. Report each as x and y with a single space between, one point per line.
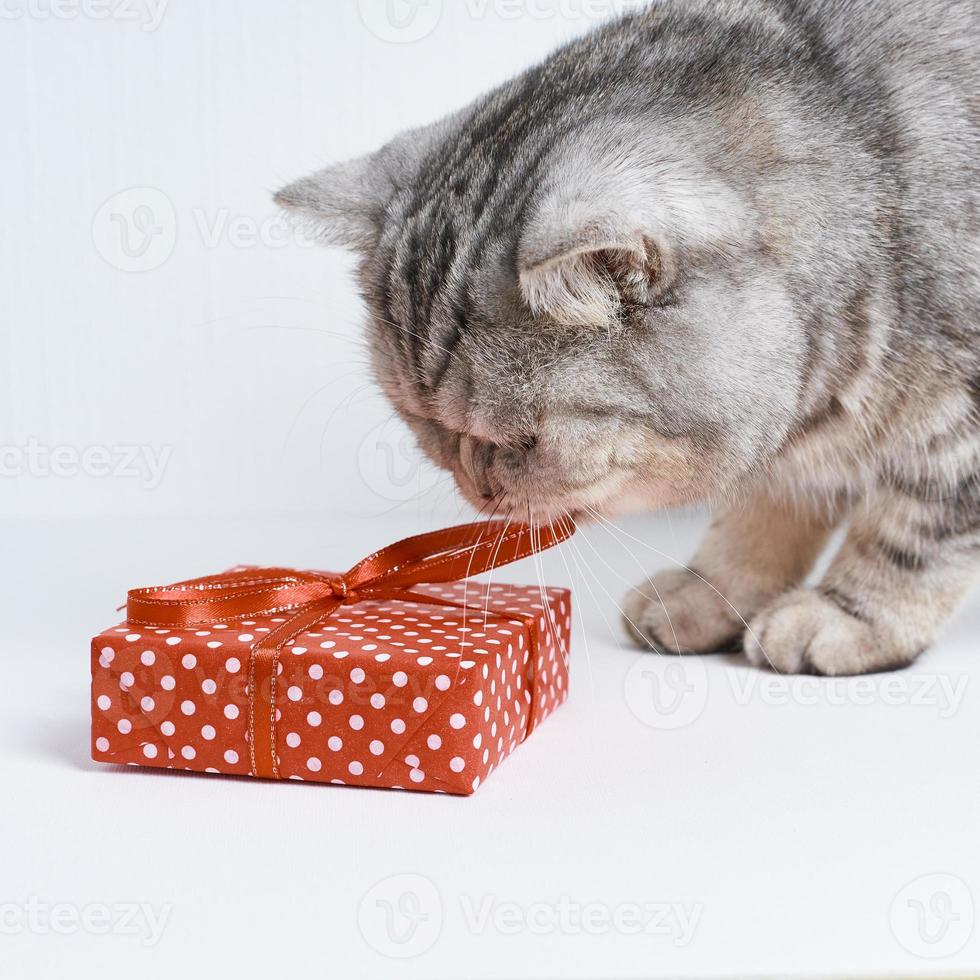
386 693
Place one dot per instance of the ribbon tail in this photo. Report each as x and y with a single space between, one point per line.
263 671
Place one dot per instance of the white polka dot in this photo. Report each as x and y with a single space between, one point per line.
132 637
327 645
167 682
168 728
478 698
477 740
456 764
377 700
334 743
457 720
397 726
376 747
443 682
148 658
147 703
208 686
419 705
188 707
150 751
335 697
172 641
102 744
314 764
434 741
208 733
412 761
106 656
231 711
233 665
214 644
189 661
357 675
400 678
424 661
126 679
188 752
104 702
124 725
356 722
315 671
245 637
294 693
416 775
355 768
476 782
292 740
313 719
231 757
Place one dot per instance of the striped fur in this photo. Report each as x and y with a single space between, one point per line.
722 250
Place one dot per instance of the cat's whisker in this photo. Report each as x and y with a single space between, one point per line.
615 530
658 599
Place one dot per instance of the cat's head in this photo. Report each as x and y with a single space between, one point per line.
567 318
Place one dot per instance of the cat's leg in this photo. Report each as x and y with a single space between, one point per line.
909 556
752 553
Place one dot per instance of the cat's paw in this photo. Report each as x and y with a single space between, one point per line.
807 632
678 612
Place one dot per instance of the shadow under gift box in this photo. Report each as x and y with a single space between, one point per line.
385 693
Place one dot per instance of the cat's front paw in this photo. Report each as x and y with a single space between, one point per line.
807 631
679 612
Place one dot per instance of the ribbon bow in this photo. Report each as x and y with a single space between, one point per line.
307 598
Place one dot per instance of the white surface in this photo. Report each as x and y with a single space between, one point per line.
787 823
787 816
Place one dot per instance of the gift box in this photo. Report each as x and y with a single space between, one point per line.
401 673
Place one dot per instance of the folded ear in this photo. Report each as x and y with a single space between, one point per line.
582 267
341 203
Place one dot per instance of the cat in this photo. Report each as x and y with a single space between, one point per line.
720 252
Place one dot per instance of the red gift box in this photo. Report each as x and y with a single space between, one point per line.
371 678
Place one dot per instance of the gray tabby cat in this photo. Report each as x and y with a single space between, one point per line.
722 251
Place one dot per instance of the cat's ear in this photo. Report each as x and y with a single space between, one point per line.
341 203
581 268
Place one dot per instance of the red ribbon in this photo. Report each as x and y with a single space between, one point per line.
450 555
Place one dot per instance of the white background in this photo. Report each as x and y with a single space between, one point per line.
798 821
